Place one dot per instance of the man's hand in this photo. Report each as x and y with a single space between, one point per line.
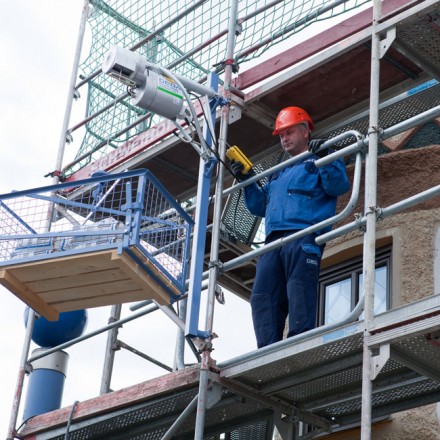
314 146
236 168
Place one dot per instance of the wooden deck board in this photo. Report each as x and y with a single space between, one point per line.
91 279
63 266
84 280
97 301
87 291
8 280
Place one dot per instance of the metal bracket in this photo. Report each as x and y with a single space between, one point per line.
378 361
28 368
375 210
228 62
386 43
76 94
69 137
284 424
363 145
217 264
290 425
213 395
379 212
376 129
358 221
234 114
219 294
118 345
238 28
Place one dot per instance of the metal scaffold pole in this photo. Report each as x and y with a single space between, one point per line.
112 336
370 212
21 374
71 92
213 271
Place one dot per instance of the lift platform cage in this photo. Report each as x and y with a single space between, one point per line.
105 240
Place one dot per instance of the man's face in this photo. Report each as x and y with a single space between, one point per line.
295 139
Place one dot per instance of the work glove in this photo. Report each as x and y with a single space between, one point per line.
314 146
236 168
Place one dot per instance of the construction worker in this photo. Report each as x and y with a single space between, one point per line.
301 195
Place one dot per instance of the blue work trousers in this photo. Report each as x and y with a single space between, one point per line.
286 284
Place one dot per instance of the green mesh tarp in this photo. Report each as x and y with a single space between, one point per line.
187 37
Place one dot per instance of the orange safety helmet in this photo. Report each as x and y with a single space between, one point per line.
290 116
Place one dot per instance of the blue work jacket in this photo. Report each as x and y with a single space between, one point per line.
298 196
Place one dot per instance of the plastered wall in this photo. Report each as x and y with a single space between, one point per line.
415 237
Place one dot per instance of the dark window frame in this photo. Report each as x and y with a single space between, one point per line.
352 268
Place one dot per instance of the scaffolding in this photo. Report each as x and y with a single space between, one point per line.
334 376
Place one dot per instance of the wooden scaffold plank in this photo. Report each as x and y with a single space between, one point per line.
80 281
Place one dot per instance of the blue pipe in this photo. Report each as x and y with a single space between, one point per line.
46 384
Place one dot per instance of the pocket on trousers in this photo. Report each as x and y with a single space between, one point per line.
312 249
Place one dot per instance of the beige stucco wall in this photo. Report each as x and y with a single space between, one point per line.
415 267
415 239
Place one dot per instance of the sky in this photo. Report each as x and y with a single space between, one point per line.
37 43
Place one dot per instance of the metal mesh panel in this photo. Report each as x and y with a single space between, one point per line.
427 42
429 134
391 113
150 421
131 209
191 45
309 358
400 393
261 430
41 223
144 422
340 380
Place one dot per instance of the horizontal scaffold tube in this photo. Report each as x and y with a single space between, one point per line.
98 331
382 213
353 148
346 211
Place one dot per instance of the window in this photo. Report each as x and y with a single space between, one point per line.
340 286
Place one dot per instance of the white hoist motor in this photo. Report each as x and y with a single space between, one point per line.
149 90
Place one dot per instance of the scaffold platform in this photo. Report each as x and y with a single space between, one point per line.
124 239
316 380
92 279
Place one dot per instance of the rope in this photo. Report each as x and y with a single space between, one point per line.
69 421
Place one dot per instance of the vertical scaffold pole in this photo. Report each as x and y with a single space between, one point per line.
370 212
71 91
109 358
69 101
21 373
215 239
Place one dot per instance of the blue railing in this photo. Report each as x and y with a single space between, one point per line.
131 212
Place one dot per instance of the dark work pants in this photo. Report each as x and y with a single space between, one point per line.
286 284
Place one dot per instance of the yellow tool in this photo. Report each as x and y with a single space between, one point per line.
234 153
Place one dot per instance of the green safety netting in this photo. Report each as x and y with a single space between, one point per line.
187 37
